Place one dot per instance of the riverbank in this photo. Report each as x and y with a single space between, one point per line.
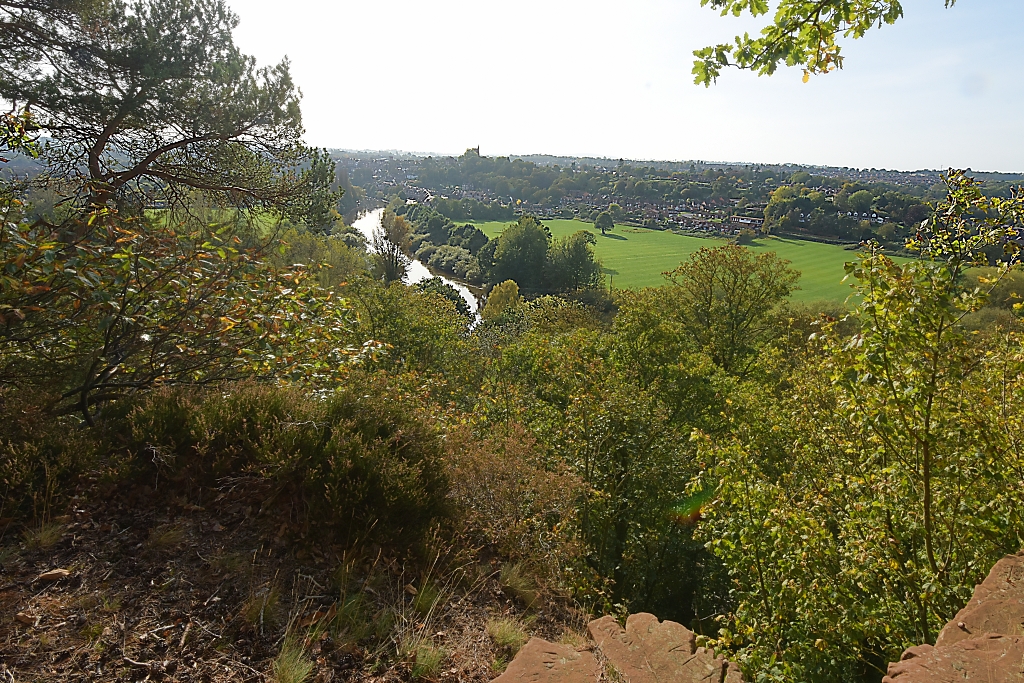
418 271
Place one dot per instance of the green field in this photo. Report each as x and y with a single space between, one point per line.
636 257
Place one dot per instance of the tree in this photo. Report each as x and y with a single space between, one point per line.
135 303
604 222
571 264
503 297
154 101
802 33
16 135
436 285
728 300
860 201
521 253
391 247
858 509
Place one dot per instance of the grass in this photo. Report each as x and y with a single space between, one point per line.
165 537
637 257
44 536
508 635
426 598
291 664
515 581
261 609
427 659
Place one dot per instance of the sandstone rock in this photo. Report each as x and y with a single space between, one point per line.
651 652
542 662
990 658
733 673
996 607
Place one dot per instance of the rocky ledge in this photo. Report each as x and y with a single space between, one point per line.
984 642
645 651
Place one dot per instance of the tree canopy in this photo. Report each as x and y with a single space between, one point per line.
803 33
153 99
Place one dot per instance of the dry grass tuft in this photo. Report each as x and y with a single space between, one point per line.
426 657
508 635
44 536
164 537
229 563
572 638
261 609
426 598
517 582
291 664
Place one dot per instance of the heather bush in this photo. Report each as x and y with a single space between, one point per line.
359 458
44 455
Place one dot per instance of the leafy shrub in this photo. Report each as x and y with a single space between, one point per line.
357 458
505 495
43 455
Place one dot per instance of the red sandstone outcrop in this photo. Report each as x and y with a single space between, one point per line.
984 642
646 651
542 662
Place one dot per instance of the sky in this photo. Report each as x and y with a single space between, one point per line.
941 88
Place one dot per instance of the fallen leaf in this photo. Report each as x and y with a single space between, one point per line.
54 575
27 619
217 527
411 589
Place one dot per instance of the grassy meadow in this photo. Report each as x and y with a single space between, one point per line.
637 257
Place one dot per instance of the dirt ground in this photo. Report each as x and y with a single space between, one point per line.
136 584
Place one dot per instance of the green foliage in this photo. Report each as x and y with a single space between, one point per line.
455 260
746 237
729 300
44 456
525 253
626 446
604 222
503 297
436 285
443 245
406 330
126 304
163 105
16 134
857 508
391 242
362 459
571 265
521 254
802 33
317 207
330 260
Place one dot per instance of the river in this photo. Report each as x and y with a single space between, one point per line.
417 271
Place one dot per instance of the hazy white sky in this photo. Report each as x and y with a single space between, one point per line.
599 78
